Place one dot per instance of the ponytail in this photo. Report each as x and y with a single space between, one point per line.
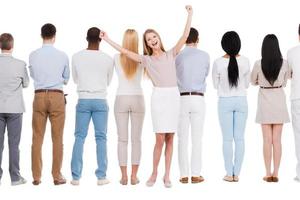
231 44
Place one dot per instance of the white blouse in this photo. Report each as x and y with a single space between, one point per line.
220 77
128 86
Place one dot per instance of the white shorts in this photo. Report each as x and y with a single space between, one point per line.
165 108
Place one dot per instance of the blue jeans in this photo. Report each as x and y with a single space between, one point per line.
233 112
97 110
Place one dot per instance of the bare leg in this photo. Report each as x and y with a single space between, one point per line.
134 170
276 138
160 139
168 155
124 178
267 147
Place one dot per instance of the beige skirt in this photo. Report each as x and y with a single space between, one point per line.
272 107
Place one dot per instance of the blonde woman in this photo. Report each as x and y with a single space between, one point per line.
165 101
129 103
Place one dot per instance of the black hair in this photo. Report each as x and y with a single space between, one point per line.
271 61
299 30
193 36
48 31
231 44
6 41
92 35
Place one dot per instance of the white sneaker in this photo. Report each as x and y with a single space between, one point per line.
75 182
19 182
297 179
102 181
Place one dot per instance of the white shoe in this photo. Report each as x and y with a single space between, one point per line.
297 179
103 181
75 182
19 182
167 184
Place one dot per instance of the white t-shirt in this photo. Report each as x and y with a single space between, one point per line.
128 86
293 58
220 77
92 71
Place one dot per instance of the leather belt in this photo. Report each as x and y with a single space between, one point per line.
48 90
270 87
191 93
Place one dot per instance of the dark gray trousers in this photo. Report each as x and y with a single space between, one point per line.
13 122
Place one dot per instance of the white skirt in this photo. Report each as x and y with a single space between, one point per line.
165 108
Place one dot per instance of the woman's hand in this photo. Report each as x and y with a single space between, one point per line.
103 35
189 9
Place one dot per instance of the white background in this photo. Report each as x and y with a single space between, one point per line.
251 19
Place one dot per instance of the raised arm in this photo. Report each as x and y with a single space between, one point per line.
134 56
186 32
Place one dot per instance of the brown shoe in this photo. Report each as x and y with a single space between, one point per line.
197 179
36 182
184 180
275 179
60 181
268 178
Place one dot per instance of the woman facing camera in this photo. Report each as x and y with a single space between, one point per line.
231 74
165 100
271 74
129 103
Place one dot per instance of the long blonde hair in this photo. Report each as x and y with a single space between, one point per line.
147 49
130 42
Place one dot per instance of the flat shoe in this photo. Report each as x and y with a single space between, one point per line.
123 181
36 182
228 178
236 179
268 178
134 181
167 184
150 183
184 180
275 179
60 181
197 179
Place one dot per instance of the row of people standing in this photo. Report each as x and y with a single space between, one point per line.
172 110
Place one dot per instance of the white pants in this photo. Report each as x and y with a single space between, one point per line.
296 126
192 113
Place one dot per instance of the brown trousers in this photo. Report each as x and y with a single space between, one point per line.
52 105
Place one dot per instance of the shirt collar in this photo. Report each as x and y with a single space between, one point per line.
47 45
6 54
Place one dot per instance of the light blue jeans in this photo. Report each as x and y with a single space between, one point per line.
233 112
97 110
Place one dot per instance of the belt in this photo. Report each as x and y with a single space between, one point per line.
48 90
191 93
270 87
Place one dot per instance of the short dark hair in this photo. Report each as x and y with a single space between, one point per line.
92 35
193 36
299 30
48 31
6 41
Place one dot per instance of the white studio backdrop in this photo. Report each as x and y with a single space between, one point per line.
251 19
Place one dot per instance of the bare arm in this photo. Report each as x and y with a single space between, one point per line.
186 32
134 56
